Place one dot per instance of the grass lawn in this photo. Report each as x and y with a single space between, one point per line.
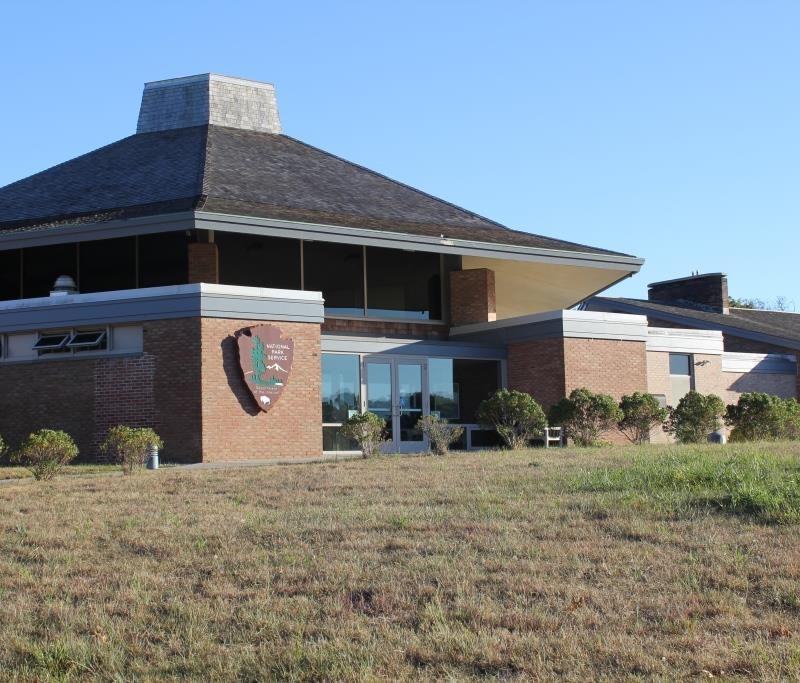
15 472
659 562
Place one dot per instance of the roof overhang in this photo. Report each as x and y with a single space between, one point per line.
86 231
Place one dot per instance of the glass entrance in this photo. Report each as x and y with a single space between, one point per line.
397 391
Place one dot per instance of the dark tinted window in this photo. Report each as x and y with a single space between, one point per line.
457 386
42 265
680 364
255 261
163 259
9 274
107 265
336 270
403 284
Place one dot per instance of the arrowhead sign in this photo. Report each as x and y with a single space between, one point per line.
266 361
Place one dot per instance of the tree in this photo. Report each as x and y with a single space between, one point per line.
779 303
45 452
640 413
695 417
584 416
515 415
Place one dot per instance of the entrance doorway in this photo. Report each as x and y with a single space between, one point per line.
397 391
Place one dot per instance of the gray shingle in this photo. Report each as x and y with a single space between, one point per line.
246 173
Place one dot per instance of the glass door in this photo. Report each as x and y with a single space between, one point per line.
397 391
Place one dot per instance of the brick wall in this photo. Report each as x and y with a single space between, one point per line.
158 388
472 296
537 368
203 262
384 328
52 394
607 366
233 427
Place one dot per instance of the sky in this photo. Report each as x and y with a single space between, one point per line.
669 130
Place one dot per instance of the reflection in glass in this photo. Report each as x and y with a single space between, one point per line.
332 440
341 386
409 389
457 386
379 393
443 389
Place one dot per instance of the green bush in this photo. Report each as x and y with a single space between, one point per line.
440 433
515 415
2 448
759 416
129 446
584 416
45 452
695 417
640 413
367 430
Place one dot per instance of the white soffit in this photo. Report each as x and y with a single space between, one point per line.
674 340
524 287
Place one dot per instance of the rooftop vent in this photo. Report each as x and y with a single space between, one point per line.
209 99
64 284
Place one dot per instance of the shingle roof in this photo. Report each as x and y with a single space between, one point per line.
773 323
227 170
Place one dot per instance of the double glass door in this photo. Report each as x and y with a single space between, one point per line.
397 391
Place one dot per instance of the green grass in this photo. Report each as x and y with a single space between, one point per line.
759 480
478 566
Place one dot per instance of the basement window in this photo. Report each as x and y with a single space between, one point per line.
88 341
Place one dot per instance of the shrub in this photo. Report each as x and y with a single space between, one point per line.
45 452
695 417
584 416
640 413
515 415
441 434
366 429
2 447
759 416
129 446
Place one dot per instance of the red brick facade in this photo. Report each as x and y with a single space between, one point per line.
186 384
233 427
472 296
537 368
550 369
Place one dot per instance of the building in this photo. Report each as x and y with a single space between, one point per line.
243 293
713 348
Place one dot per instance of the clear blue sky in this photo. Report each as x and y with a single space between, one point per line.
669 130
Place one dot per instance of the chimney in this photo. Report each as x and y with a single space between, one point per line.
708 291
209 99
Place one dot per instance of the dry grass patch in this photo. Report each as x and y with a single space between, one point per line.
469 566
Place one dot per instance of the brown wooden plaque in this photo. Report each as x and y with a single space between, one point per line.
266 361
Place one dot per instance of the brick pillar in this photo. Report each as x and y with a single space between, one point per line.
472 296
203 262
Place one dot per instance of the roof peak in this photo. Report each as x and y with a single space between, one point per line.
208 99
